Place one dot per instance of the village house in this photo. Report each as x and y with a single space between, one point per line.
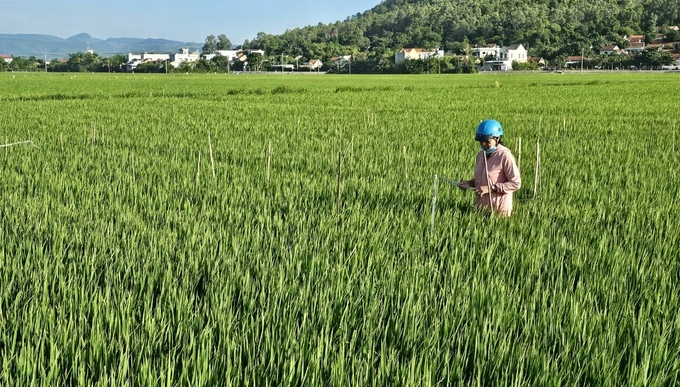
340 61
313 64
184 56
540 62
506 56
416 53
490 50
608 50
134 60
636 44
8 58
231 55
573 61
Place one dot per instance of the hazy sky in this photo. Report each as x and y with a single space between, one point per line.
186 21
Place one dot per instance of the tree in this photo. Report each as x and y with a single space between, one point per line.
147 67
254 59
116 63
223 43
204 66
210 45
3 65
672 36
220 62
186 67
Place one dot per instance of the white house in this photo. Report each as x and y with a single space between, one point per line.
8 58
231 55
313 64
135 60
506 56
184 56
608 50
254 51
636 44
484 51
416 53
340 61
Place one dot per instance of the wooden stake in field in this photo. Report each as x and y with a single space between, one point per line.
405 165
519 151
537 175
339 177
269 159
212 161
351 149
434 203
61 141
7 145
134 181
198 169
674 122
488 182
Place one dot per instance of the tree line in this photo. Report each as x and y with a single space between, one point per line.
550 29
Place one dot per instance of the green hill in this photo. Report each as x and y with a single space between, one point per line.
549 28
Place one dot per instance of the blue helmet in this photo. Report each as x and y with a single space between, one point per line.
488 129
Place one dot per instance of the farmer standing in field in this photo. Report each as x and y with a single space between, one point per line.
497 177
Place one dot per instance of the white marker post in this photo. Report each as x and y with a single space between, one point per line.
17 143
434 204
488 183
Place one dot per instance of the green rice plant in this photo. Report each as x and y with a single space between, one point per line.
119 267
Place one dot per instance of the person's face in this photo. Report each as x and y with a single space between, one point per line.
488 144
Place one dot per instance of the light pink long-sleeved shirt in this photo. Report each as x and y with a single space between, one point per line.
503 172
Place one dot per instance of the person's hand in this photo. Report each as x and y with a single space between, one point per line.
482 190
464 184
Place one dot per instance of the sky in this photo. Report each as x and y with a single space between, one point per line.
185 21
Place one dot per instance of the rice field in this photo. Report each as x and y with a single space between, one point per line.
217 230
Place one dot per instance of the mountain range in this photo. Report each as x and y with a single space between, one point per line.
57 48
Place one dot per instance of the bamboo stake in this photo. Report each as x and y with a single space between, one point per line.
538 167
269 159
405 164
488 183
212 161
6 145
351 149
198 168
434 204
339 178
519 159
